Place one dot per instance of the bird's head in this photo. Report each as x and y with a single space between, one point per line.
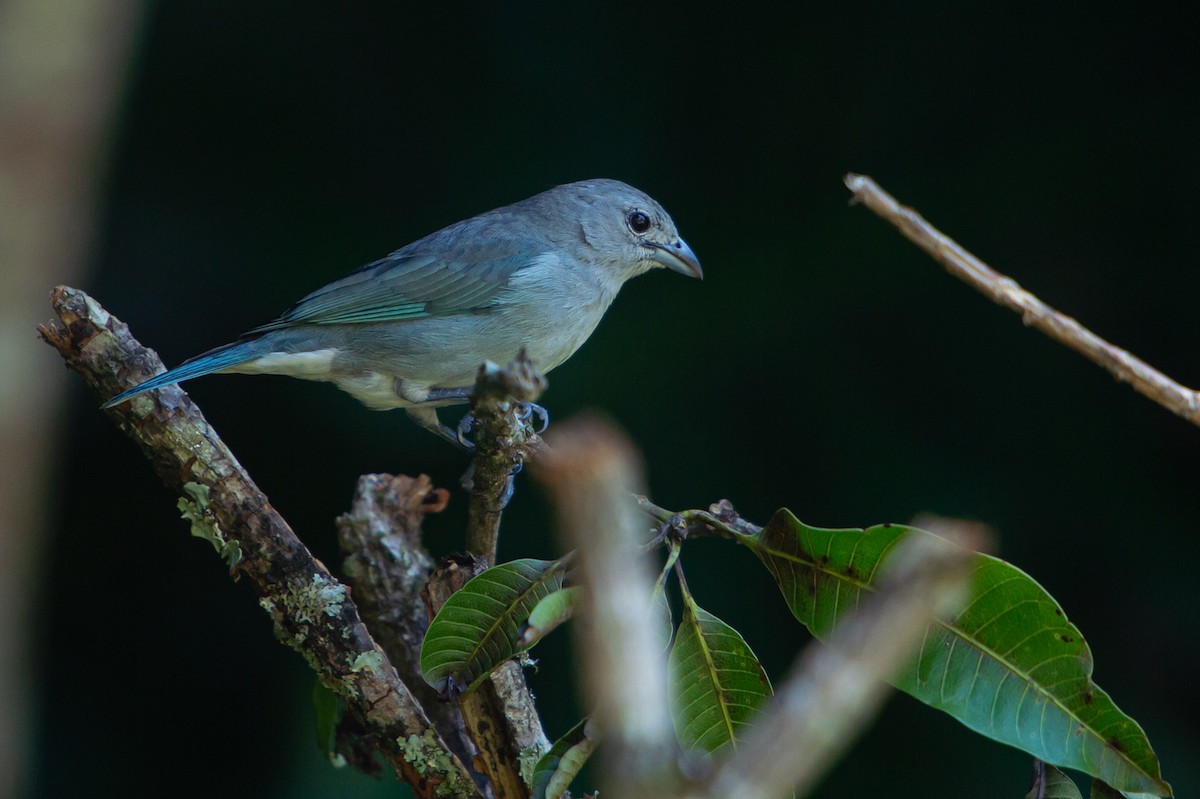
626 229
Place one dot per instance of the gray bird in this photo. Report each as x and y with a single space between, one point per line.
411 330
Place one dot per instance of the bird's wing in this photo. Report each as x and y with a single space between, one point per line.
410 284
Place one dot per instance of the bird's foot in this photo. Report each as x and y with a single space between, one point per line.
465 425
506 492
527 410
455 437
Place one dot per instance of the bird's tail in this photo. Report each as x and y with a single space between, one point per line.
204 364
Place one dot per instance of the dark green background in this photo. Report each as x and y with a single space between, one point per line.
823 364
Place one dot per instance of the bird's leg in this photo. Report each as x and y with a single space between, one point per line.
424 411
427 417
446 396
459 434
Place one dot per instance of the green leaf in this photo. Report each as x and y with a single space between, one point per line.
554 771
1009 666
553 610
1052 783
478 627
715 681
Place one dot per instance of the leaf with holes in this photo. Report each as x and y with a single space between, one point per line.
478 627
716 683
1009 665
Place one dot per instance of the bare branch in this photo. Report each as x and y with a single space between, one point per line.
312 611
835 689
592 470
1004 291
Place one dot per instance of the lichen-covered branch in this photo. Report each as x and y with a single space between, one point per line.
1004 291
312 611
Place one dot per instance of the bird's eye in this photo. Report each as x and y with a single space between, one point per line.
639 222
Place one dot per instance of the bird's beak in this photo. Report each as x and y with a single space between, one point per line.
678 257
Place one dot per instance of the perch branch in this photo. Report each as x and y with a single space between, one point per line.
1004 291
313 613
500 715
502 442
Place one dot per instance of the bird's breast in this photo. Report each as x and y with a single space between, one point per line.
552 311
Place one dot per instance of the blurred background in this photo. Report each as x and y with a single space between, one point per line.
199 166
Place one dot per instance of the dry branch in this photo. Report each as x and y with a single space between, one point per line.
1004 291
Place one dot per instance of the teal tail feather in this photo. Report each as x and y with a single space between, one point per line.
204 364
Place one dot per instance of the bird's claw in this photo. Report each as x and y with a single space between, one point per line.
465 426
506 494
528 410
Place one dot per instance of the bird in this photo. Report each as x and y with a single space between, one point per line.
410 330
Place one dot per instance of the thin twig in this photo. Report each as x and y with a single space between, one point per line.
1004 291
313 612
719 520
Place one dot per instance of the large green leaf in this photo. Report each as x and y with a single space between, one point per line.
478 627
554 770
716 683
1009 665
